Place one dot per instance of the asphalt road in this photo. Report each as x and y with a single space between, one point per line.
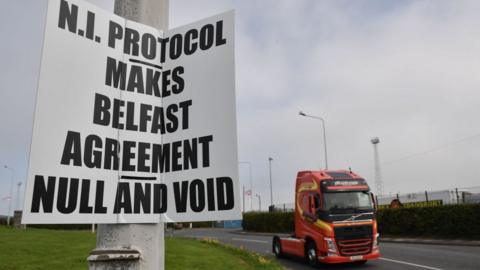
394 255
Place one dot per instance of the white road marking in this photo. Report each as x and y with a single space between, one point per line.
250 240
411 264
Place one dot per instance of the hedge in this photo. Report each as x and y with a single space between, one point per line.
448 221
268 221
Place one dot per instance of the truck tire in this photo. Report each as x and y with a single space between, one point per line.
311 253
277 247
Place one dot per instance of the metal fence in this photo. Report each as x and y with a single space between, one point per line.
283 207
466 195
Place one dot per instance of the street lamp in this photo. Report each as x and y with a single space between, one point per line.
324 134
251 185
11 190
271 190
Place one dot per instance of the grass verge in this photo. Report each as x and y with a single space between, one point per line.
183 253
36 249
44 249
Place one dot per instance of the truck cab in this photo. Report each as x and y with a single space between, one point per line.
334 219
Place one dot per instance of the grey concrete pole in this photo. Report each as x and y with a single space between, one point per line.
133 246
149 12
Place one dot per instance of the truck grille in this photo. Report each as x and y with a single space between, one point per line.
354 240
354 247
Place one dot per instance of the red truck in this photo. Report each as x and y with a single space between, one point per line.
334 219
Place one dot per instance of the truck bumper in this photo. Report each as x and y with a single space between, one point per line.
348 259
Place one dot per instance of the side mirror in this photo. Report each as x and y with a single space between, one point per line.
375 206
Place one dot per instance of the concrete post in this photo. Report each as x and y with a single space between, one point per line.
149 12
133 246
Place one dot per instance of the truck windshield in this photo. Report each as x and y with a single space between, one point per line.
347 202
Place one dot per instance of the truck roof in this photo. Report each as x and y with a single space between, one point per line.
330 174
331 180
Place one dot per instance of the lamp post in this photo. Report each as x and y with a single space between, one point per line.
251 185
324 134
11 190
271 189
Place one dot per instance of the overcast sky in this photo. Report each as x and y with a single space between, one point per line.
405 71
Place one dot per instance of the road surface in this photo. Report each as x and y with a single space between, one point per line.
394 255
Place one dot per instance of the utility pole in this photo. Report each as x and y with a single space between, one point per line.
378 175
271 189
133 246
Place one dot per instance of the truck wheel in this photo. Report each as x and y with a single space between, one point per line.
311 253
277 247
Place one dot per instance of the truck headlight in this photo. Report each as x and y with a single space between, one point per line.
330 245
375 241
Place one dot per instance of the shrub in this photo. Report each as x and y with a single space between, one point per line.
268 221
447 221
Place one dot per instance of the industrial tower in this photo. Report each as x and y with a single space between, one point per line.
378 174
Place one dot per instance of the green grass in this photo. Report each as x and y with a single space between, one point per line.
185 253
54 249
44 249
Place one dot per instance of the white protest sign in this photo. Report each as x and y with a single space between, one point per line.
132 124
